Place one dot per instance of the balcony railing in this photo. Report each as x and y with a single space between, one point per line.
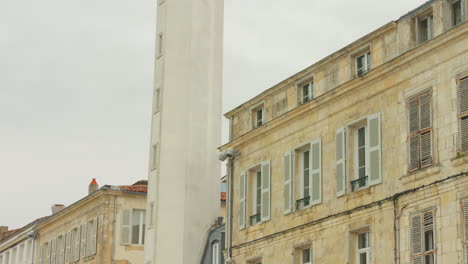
301 203
255 219
359 183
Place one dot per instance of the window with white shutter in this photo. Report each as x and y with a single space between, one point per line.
41 254
132 228
340 160
309 174
84 233
265 197
463 113
420 131
68 240
125 227
316 171
53 251
242 199
92 244
288 190
48 251
465 224
422 238
76 240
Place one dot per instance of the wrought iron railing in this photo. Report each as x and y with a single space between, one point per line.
255 219
304 202
359 183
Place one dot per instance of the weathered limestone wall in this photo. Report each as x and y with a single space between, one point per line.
400 70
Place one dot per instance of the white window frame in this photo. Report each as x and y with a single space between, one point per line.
140 229
298 172
366 250
310 92
253 173
367 62
154 157
356 154
310 255
215 248
429 16
254 121
160 41
462 6
157 100
302 172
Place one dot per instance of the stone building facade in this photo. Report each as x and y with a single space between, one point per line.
17 246
361 157
107 226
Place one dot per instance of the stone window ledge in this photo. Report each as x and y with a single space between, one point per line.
459 160
420 174
359 193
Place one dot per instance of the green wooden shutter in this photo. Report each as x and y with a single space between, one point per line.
266 209
316 171
242 200
340 160
287 183
375 149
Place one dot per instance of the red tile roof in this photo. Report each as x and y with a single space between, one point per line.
135 188
223 196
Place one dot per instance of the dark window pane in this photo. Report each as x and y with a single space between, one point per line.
363 258
456 11
136 227
428 241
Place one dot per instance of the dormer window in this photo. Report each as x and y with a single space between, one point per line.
425 28
363 63
456 13
306 92
257 116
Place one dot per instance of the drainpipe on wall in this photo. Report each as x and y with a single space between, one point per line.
229 213
230 154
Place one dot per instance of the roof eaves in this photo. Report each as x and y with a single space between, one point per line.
416 10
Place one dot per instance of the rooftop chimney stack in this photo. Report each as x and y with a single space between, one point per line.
93 186
3 229
57 208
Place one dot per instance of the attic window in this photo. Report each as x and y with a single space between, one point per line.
425 28
258 116
305 92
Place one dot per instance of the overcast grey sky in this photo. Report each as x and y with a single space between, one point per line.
76 83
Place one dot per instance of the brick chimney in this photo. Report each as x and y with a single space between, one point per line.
3 230
57 208
93 186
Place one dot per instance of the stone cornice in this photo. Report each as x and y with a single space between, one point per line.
345 88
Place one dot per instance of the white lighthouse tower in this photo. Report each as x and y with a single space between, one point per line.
184 192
